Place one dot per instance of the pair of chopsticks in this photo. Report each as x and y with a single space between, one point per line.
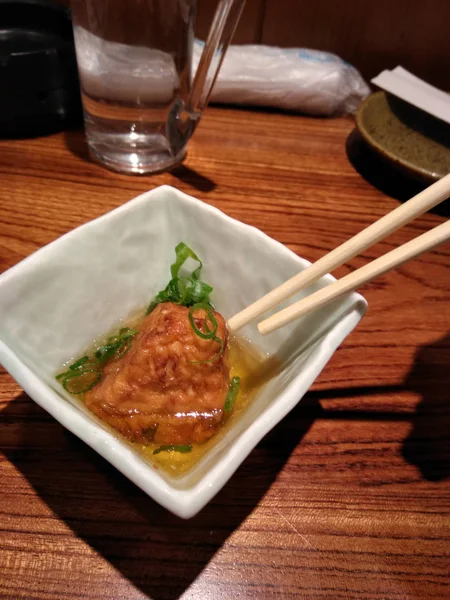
394 220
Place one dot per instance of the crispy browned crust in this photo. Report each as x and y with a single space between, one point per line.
161 390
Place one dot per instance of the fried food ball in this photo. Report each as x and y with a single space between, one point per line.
170 387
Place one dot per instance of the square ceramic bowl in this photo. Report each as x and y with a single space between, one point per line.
56 302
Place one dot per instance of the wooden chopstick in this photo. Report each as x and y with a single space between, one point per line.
350 282
403 214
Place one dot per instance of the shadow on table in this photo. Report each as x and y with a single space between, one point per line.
428 444
194 179
159 553
381 175
75 142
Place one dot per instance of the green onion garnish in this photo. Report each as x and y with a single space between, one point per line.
80 382
190 292
116 345
209 333
79 363
183 252
82 364
171 448
105 352
86 372
185 291
233 391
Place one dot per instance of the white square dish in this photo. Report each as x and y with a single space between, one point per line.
56 302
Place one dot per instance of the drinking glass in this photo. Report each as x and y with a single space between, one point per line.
141 104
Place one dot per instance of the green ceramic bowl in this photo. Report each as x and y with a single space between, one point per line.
413 141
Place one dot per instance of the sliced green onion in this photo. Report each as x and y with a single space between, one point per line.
76 366
78 383
185 291
124 334
181 290
78 363
62 375
210 333
151 307
233 391
172 448
105 352
116 346
183 252
127 331
198 291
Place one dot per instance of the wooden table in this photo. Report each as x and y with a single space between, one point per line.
349 497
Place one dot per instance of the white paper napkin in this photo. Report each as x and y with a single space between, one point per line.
414 90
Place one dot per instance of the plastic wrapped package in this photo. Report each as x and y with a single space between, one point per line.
298 79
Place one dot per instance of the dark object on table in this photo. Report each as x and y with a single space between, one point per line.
38 73
413 141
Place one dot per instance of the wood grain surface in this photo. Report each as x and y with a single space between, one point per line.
347 498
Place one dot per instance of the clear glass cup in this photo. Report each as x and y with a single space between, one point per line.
134 58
